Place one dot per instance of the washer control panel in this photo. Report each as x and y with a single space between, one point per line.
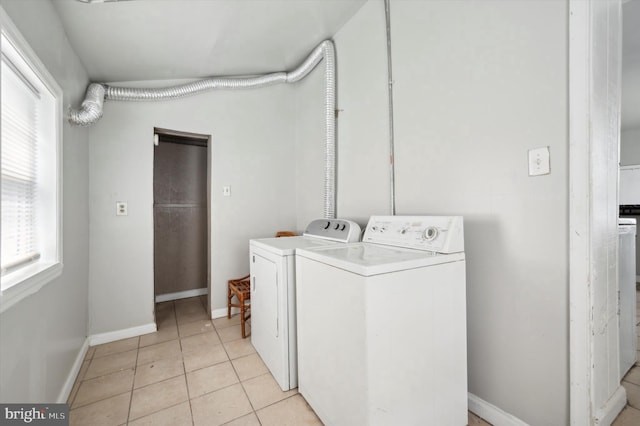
440 234
341 230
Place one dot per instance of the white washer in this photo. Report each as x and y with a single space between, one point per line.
382 327
273 293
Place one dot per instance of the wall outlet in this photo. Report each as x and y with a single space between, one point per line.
539 161
226 191
121 208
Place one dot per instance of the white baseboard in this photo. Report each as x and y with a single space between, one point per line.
222 312
112 336
75 369
609 411
491 413
181 295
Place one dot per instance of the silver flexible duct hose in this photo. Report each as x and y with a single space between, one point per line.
330 133
200 86
91 109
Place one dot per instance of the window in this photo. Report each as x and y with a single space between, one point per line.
30 131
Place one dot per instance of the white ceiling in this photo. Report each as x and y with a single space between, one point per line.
137 40
173 39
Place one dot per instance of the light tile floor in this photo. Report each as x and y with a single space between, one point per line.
630 415
192 371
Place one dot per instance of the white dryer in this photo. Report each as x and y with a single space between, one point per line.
382 325
273 293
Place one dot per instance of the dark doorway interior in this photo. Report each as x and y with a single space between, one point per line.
180 215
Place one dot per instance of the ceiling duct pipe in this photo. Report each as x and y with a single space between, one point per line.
91 109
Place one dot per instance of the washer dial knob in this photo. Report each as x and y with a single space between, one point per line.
430 234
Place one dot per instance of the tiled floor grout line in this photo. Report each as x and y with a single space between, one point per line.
253 409
240 382
184 373
179 336
184 369
161 409
133 382
186 381
100 400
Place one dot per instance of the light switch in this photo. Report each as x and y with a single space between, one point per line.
121 208
539 161
226 191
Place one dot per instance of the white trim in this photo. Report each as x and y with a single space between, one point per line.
30 285
579 215
9 28
594 67
112 336
608 413
73 374
222 312
181 294
30 280
491 413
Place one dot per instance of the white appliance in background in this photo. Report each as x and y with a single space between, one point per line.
273 293
627 293
382 325
629 186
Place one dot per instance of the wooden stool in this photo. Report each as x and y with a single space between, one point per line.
286 234
241 289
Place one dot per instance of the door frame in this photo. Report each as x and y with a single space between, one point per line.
594 63
206 139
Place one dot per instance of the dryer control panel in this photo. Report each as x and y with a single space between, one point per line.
440 234
341 230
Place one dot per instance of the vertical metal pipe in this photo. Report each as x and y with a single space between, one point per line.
392 170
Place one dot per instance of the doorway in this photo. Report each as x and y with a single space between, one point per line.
181 212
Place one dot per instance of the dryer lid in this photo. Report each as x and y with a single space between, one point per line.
287 246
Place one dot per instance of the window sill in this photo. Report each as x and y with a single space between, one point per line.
27 281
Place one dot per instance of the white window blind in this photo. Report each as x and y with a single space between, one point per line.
19 168
30 178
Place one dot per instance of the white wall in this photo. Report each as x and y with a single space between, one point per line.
477 84
363 120
630 120
42 335
630 145
362 136
252 150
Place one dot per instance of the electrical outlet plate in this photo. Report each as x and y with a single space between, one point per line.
121 208
539 161
226 191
